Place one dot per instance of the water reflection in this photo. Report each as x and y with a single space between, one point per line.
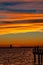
16 56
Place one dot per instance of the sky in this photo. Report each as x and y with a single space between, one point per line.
21 23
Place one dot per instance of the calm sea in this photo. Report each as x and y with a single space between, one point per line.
16 56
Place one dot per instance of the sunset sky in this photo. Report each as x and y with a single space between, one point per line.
21 23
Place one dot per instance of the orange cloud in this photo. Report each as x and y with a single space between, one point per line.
21 28
20 16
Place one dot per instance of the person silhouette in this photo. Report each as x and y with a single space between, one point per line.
10 45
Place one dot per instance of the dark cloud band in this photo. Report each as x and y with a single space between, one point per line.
4 7
14 27
11 3
16 3
22 21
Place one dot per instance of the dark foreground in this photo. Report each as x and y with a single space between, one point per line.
16 56
21 56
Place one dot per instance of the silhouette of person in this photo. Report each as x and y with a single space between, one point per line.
10 45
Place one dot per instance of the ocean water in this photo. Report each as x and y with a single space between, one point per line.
16 56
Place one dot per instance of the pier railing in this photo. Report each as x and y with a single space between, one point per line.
37 51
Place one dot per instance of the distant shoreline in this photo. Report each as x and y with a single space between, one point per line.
23 47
